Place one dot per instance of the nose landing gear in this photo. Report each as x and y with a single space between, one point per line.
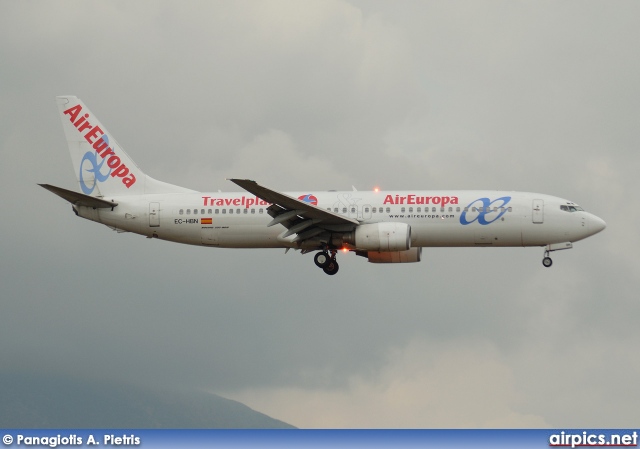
546 261
327 261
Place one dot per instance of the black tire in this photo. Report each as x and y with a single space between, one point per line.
332 268
547 262
322 259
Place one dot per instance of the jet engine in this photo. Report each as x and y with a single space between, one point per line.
381 237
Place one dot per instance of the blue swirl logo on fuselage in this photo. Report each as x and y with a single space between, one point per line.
485 210
91 157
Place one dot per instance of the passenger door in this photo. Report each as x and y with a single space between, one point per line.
537 212
154 215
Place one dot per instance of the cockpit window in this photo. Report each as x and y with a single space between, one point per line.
571 208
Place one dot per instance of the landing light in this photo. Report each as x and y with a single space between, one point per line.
376 189
345 250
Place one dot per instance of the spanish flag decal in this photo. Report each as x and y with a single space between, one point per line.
206 221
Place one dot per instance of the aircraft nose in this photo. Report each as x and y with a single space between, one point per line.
596 224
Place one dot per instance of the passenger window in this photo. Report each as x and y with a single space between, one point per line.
510 209
181 211
411 209
344 210
237 211
217 211
230 211
202 211
335 209
442 209
188 211
245 211
388 209
260 211
402 209
417 209
209 211
433 209
458 209
224 211
451 209
366 209
253 211
353 210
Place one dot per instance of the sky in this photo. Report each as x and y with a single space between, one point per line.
539 96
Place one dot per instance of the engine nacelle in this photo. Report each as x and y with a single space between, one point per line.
411 255
380 237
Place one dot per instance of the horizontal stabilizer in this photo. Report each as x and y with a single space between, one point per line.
79 199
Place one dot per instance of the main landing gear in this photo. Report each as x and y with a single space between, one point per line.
327 261
546 261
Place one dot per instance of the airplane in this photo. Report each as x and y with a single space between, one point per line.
383 226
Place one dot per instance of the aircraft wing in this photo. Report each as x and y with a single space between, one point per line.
303 219
79 199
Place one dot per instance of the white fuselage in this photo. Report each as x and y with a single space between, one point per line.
436 218
385 227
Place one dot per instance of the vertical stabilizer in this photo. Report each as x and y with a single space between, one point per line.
101 164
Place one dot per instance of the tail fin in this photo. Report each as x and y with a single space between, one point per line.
101 164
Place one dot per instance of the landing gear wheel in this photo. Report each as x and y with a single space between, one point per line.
322 259
331 268
547 262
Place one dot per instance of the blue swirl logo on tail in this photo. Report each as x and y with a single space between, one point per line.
91 158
